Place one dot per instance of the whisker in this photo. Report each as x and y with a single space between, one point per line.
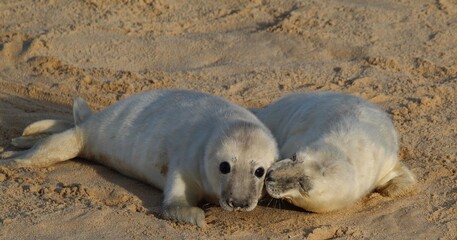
269 202
275 201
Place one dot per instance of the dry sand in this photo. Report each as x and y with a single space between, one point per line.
401 55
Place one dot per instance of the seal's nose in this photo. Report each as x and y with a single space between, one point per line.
237 204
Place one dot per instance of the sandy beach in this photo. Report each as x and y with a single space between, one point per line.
400 55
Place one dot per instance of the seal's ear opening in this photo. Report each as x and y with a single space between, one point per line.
294 157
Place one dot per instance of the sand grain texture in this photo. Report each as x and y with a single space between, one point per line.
401 55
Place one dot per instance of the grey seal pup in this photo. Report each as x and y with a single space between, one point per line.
191 145
337 149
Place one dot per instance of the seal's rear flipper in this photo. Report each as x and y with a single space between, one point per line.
47 126
53 149
399 185
44 128
81 111
28 141
39 130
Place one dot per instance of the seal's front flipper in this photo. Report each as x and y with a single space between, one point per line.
400 184
180 200
53 149
185 214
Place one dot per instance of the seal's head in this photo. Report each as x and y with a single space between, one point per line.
315 179
239 163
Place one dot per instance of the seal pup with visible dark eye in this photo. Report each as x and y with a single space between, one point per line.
192 145
338 148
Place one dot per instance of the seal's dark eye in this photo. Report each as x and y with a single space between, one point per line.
259 172
224 167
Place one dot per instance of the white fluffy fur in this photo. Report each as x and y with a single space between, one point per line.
174 140
337 147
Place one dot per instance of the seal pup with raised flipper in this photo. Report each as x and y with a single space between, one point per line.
192 145
338 148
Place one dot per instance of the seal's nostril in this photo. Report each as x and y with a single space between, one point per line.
268 177
230 202
237 204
